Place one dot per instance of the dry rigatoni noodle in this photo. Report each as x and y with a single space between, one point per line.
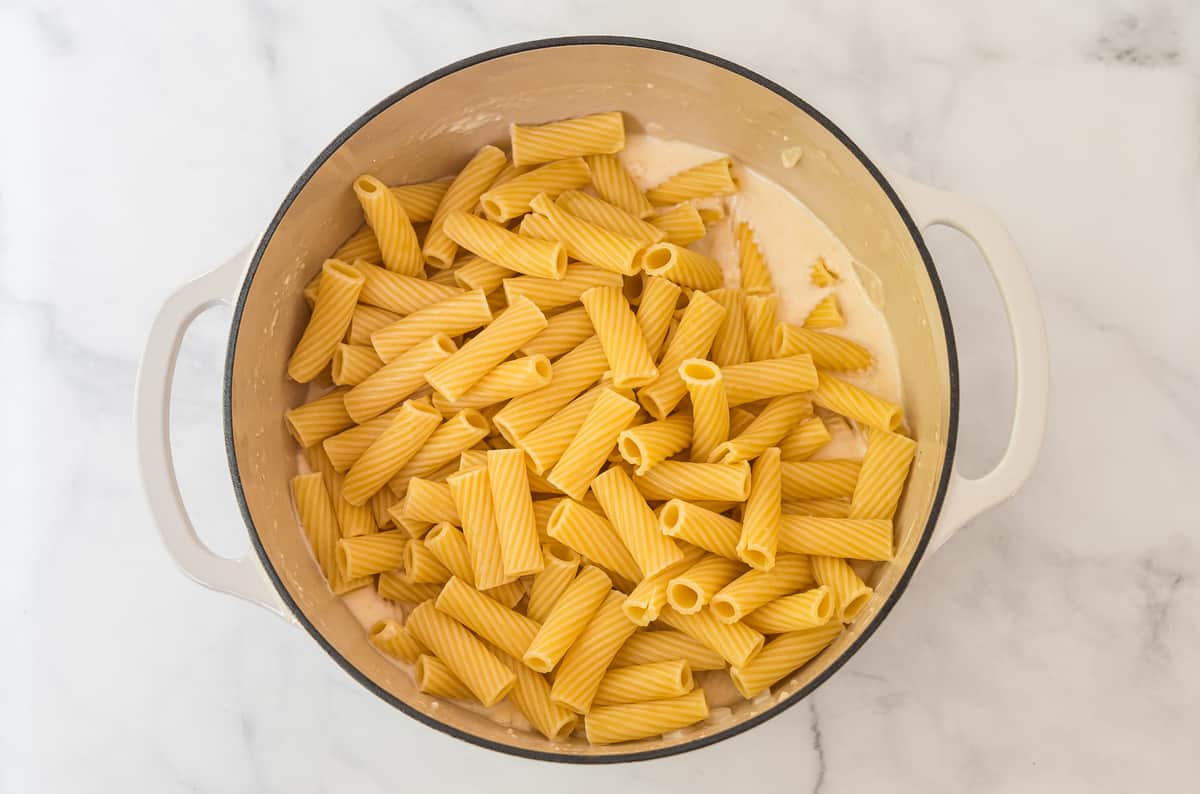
759 380
760 326
507 629
620 337
599 133
369 554
472 493
682 225
520 551
465 655
458 433
790 573
701 527
347 446
732 343
578 528
447 542
683 266
422 566
756 277
635 522
334 306
563 332
531 695
692 339
590 242
707 179
761 515
600 213
881 479
655 309
781 656
647 445
352 364
735 642
850 593
494 243
511 200
567 619
826 314
691 590
399 293
710 410
615 185
420 199
354 520
805 610
318 419
546 444
819 479
803 440
366 320
646 600
828 351
661 646
360 245
628 721
674 479
397 379
395 586
477 175
588 451
570 375
584 663
559 566
641 682
393 229
519 323
822 508
854 403
473 272
856 538
772 423
392 638
509 379
548 293
318 521
434 677
388 453
452 316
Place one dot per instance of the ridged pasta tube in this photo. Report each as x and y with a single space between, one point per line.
856 538
615 186
399 293
805 610
791 573
682 225
520 551
655 310
466 656
473 496
755 276
511 200
340 287
578 528
735 642
692 339
760 326
584 663
759 380
588 451
642 682
828 351
318 419
620 336
713 178
683 266
393 229
394 447
772 423
475 177
507 629
881 477
710 409
647 445
673 479
634 521
625 722
455 375
700 527
599 133
605 215
567 619
548 293
761 515
541 258
570 376
691 590
819 479
461 431
783 655
397 379
453 316
563 332
854 403
660 646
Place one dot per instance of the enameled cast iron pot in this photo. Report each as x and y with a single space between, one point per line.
428 129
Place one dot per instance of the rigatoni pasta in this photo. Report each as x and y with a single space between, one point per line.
599 133
494 387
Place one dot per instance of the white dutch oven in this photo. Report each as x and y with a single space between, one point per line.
427 130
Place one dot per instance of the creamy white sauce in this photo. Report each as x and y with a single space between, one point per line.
791 238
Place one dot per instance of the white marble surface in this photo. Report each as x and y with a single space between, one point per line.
1054 645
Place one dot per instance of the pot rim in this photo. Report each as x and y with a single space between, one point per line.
568 41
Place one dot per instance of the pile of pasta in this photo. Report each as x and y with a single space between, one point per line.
579 461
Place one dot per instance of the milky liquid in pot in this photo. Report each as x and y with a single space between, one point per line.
791 238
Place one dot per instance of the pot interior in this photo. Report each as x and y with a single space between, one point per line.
430 132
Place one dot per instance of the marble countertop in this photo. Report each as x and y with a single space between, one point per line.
1053 645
